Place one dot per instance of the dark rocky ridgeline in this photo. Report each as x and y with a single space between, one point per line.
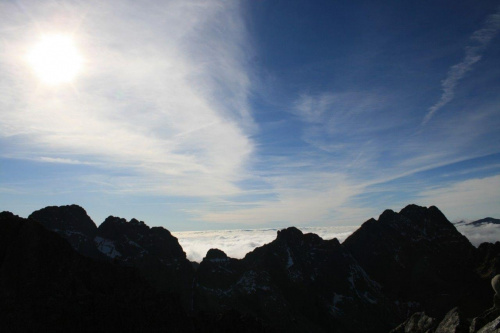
486 220
73 224
298 283
421 261
46 286
154 251
410 265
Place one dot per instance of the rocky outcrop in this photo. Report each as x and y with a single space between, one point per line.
419 259
154 251
298 283
73 224
46 286
456 321
488 260
418 322
411 266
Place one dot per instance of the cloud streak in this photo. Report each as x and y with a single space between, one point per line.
475 198
162 97
480 39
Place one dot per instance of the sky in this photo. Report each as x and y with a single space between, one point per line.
207 115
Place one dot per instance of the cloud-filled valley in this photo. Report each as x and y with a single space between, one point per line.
237 243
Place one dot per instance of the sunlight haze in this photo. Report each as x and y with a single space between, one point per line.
209 115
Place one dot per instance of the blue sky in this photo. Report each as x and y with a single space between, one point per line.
249 114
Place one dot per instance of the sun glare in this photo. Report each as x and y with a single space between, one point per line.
55 59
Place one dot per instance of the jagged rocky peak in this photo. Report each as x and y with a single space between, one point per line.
72 218
294 237
293 281
215 254
289 234
5 214
47 286
113 227
72 223
136 238
417 256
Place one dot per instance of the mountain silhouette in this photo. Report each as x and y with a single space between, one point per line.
403 272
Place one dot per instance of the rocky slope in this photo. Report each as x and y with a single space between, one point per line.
298 283
154 251
73 224
411 267
46 286
420 260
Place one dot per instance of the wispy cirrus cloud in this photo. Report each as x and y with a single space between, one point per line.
162 96
294 198
480 39
475 198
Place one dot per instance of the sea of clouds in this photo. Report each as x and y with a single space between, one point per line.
479 234
237 243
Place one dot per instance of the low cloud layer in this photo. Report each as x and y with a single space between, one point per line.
479 234
237 243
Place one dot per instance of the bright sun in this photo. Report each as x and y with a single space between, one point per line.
55 59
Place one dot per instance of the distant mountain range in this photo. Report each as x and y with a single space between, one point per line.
486 220
410 271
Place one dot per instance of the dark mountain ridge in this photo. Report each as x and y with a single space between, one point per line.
417 255
480 222
414 261
486 220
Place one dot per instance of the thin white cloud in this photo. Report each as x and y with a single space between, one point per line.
297 198
237 243
163 93
473 53
473 198
60 160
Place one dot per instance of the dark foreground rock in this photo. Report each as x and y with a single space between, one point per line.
410 271
297 283
154 251
46 286
421 261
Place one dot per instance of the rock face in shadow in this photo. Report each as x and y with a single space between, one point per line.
154 251
420 259
59 272
488 260
46 286
73 224
296 283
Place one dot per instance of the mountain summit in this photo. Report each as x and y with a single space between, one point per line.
412 265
